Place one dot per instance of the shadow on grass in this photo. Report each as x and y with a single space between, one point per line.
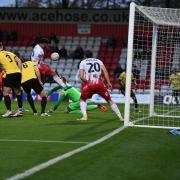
73 122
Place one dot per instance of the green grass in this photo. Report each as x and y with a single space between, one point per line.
135 153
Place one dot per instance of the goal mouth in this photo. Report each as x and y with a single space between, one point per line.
153 57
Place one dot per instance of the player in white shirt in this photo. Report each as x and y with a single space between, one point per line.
38 57
90 72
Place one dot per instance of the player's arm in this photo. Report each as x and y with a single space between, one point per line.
61 98
77 77
38 74
19 62
81 75
106 76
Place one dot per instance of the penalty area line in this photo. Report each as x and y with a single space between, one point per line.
55 160
42 141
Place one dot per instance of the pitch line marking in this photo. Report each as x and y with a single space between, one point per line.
55 160
41 141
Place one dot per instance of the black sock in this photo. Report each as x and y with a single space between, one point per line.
7 102
43 104
19 100
1 95
136 103
31 103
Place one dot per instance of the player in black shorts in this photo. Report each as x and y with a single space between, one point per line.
11 65
31 80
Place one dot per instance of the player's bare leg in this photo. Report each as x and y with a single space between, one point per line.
83 107
43 103
18 94
58 80
7 101
115 108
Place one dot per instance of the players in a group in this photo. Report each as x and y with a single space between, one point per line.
74 95
122 83
31 80
91 71
11 65
38 57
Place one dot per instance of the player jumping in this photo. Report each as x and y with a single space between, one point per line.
74 95
91 71
38 56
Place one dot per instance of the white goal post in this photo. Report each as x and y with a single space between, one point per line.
153 58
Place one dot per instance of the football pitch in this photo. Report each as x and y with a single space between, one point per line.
133 153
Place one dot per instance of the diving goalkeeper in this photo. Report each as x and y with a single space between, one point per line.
73 95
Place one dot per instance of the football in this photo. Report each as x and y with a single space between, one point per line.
55 56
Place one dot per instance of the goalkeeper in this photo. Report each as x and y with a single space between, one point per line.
122 83
74 95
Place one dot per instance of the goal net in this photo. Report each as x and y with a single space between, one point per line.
153 57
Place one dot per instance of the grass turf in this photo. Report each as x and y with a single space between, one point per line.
135 153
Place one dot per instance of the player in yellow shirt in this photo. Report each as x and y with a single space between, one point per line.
11 65
175 81
122 83
31 80
1 79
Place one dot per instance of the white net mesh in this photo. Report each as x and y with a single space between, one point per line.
166 106
161 16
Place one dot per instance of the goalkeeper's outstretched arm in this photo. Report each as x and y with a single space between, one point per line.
60 100
53 90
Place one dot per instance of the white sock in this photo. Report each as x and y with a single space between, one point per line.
59 81
83 107
116 109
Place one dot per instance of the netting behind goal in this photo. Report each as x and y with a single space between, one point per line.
154 56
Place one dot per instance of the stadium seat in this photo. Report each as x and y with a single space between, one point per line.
115 91
47 61
68 66
140 84
69 61
77 85
116 86
66 72
9 48
74 72
46 86
53 85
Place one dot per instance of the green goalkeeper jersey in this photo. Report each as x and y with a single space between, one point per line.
73 94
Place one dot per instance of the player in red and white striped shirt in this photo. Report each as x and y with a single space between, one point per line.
38 57
91 71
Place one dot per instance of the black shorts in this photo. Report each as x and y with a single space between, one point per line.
32 84
12 80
